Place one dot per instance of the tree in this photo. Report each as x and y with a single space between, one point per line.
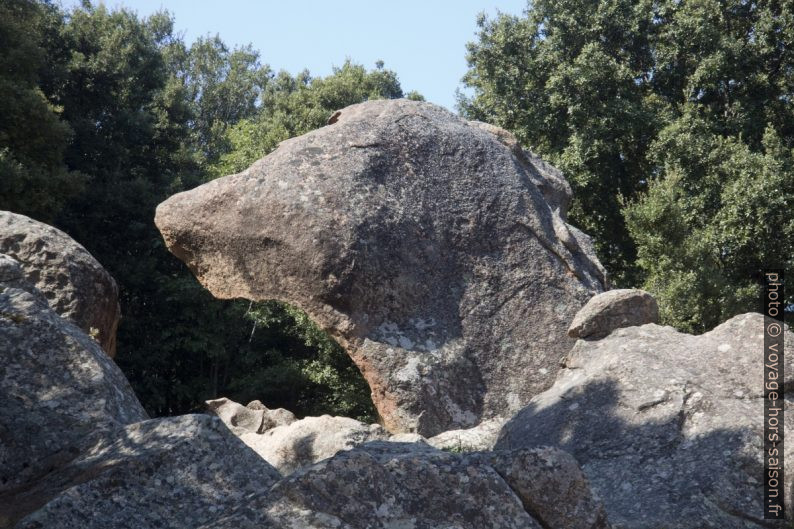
661 113
222 87
33 137
571 81
292 106
130 117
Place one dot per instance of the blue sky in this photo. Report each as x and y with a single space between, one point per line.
423 41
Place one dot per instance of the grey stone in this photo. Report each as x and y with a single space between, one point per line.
298 443
290 444
396 485
436 256
253 418
177 472
479 438
74 283
548 179
12 275
668 427
59 392
612 310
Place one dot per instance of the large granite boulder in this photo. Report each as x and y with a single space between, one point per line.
179 472
74 283
614 309
59 392
440 260
668 427
547 178
396 485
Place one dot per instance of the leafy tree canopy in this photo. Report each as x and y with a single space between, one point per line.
103 115
292 106
33 137
673 122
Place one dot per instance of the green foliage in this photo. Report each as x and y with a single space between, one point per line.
221 86
130 117
291 106
312 376
708 228
33 177
103 116
673 122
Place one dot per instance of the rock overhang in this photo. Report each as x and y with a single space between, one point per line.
398 214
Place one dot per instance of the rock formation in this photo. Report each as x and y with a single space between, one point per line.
668 427
481 437
179 472
290 444
59 392
74 283
434 251
254 418
612 310
76 448
394 485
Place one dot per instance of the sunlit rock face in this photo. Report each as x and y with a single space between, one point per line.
75 285
614 309
668 427
432 248
60 394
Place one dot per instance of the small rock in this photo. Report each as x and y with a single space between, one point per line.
612 310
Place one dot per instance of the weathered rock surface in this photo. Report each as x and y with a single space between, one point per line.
479 438
74 283
612 310
304 442
58 392
290 444
547 178
668 427
395 485
12 275
420 241
175 472
253 418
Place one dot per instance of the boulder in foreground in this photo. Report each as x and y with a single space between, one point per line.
59 393
179 472
400 485
668 427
